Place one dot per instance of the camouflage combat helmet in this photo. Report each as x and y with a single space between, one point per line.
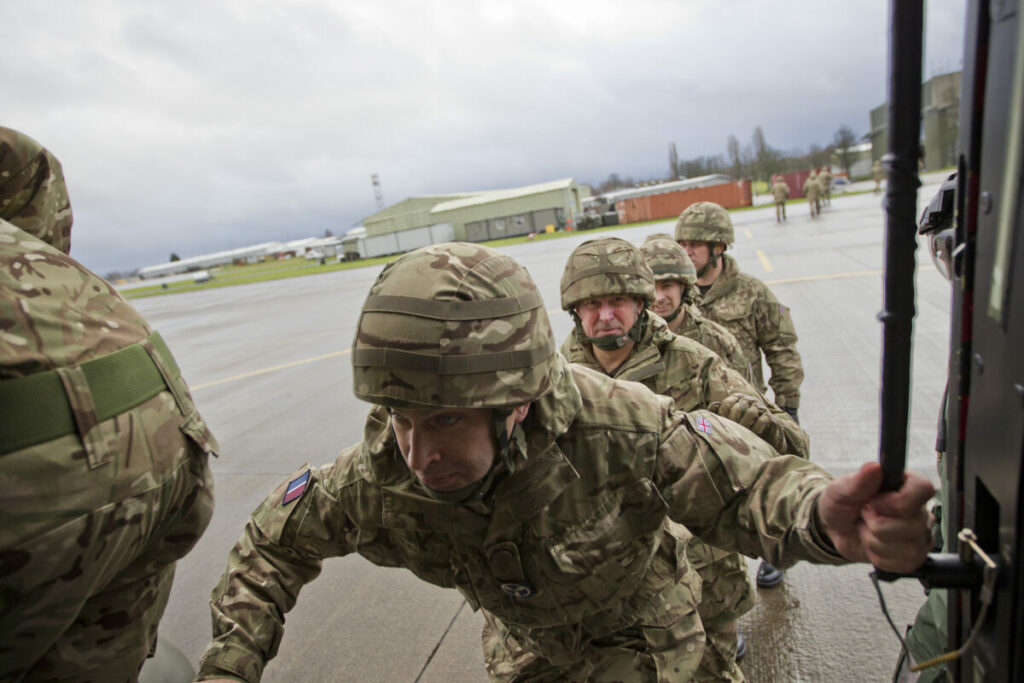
668 261
705 222
606 267
456 325
453 325
658 236
33 195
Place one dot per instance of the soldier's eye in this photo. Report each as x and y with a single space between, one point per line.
446 420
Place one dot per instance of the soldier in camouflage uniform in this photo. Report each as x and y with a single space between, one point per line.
675 280
606 287
812 190
780 192
555 499
104 482
747 308
825 181
877 174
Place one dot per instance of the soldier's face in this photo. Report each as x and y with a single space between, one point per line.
448 448
608 315
668 296
699 252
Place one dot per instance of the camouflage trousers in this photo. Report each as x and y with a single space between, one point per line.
726 594
641 653
90 539
780 211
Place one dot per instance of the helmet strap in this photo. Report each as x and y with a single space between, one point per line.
674 314
714 258
609 342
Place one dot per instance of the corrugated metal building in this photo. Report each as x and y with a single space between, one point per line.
480 216
940 120
730 194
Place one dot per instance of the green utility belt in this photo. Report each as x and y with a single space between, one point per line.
35 408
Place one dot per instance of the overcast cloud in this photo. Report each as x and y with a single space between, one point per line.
199 125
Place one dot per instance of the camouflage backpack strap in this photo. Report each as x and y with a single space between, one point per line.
47 405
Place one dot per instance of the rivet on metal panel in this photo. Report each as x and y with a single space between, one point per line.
986 202
979 363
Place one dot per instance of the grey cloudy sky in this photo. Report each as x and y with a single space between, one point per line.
199 125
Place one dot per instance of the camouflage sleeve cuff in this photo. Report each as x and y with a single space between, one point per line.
229 660
826 551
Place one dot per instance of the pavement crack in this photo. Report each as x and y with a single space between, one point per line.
440 640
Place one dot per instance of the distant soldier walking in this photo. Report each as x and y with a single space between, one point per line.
812 190
877 174
825 180
780 191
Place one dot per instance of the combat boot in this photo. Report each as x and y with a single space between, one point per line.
768 576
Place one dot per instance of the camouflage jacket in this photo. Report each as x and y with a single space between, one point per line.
812 188
748 309
96 501
825 180
688 373
711 335
780 190
580 542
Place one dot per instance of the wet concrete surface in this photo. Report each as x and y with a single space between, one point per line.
269 368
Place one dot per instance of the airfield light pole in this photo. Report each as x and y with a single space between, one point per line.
377 193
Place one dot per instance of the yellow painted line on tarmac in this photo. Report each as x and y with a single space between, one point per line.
833 276
749 234
765 263
273 368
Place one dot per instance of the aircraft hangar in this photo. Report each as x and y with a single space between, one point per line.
468 216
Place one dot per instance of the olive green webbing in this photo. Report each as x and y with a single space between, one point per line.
453 364
34 409
454 309
670 269
604 267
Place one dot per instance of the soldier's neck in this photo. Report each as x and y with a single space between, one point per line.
677 322
611 360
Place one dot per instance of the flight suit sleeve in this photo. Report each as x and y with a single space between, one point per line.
281 550
735 492
779 429
776 336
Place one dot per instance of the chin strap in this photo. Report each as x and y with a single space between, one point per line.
609 342
674 314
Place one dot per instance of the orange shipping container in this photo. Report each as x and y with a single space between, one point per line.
671 204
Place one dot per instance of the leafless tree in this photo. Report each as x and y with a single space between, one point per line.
843 142
733 148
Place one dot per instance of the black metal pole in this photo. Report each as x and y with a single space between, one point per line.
897 316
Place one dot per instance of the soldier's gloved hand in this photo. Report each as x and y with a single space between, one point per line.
792 414
750 412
